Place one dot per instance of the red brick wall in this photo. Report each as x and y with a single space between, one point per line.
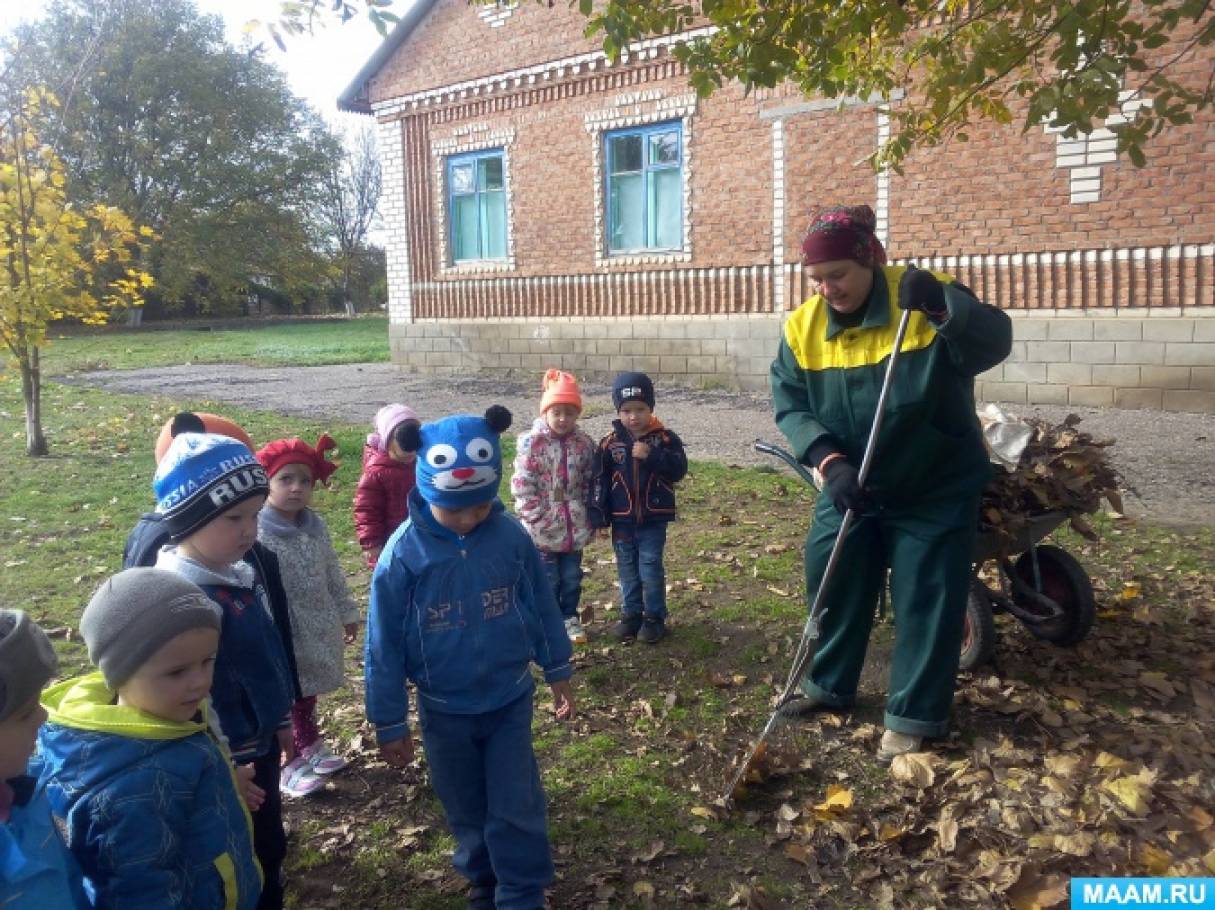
453 44
1000 193
822 167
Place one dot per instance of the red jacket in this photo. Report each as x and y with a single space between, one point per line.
381 500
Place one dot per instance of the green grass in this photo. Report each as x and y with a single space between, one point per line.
657 727
361 340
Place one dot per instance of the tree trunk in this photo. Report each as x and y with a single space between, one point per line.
346 301
31 390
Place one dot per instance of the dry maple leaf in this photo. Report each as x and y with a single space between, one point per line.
914 768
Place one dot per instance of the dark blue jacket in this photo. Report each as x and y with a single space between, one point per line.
254 687
463 617
149 536
149 806
637 492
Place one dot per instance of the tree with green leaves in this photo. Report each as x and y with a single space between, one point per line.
59 261
197 139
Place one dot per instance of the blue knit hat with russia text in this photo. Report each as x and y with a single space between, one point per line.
459 458
202 475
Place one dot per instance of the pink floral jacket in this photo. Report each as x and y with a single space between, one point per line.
551 485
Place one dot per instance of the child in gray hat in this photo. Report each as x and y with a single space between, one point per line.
145 792
36 870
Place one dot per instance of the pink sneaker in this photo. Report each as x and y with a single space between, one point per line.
322 759
298 778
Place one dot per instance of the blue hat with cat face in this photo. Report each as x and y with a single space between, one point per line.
459 458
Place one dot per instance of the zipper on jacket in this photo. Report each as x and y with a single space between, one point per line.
565 505
636 480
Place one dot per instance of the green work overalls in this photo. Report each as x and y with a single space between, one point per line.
928 472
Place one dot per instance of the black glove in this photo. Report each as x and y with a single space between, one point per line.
920 290
844 487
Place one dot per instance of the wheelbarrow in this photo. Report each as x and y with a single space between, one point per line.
1041 584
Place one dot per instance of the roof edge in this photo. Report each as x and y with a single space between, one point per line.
355 96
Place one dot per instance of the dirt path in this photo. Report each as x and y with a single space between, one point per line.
1167 459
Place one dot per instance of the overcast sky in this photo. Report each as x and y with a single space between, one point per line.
318 67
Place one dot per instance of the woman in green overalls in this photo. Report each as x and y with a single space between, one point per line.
918 513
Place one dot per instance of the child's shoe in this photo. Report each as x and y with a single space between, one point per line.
626 629
298 778
652 631
573 628
323 759
481 897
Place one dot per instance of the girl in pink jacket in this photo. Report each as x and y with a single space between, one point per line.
551 486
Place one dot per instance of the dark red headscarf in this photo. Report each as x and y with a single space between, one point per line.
276 455
843 232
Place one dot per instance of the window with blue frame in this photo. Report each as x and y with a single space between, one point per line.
645 188
476 205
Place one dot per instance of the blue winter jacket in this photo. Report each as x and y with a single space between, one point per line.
462 617
36 870
150 806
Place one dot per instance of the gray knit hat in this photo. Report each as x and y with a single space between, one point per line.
27 661
134 613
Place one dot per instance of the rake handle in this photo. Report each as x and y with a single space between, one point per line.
805 654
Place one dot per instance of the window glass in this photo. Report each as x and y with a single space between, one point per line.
644 187
476 205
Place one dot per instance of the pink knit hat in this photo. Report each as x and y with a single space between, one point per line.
387 419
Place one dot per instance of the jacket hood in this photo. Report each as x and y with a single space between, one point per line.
420 514
239 574
271 521
86 703
379 458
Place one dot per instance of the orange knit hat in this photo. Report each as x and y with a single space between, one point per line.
198 422
559 388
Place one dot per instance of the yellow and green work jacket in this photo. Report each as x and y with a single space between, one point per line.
827 377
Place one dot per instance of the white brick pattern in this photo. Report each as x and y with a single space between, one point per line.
393 211
528 76
495 15
1084 155
778 214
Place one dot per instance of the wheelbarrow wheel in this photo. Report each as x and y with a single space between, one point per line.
1066 583
978 630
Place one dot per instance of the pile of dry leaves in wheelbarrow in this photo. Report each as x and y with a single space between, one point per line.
1047 468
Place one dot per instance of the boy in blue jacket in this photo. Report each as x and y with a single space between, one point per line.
461 605
638 465
209 491
36 870
144 790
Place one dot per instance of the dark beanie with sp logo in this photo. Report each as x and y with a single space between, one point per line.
632 387
202 475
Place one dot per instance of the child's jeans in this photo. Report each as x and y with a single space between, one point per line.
643 579
565 575
484 771
269 838
304 730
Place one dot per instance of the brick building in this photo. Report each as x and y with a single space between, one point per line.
545 207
